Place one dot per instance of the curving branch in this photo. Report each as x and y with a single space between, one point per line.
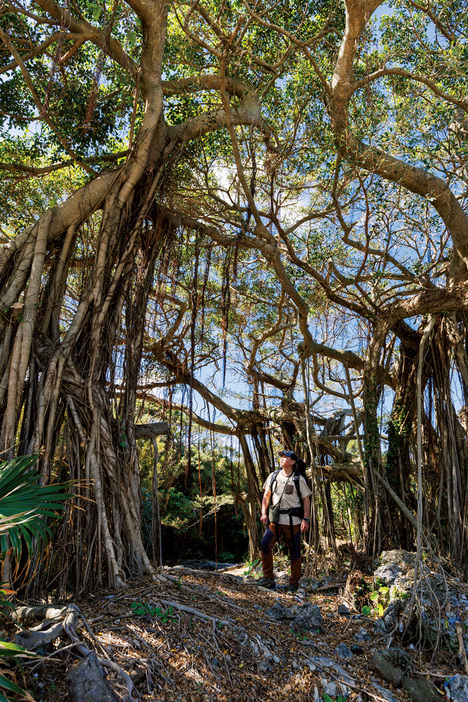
37 51
30 83
44 170
108 44
403 73
248 112
372 159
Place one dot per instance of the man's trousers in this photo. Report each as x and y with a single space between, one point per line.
294 544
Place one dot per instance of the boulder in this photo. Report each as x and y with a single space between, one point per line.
394 665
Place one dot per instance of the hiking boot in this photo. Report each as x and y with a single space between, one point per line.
269 583
292 589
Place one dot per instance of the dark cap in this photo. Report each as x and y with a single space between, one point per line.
289 454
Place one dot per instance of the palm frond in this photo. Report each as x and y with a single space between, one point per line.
25 504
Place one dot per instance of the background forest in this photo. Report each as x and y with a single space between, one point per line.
229 227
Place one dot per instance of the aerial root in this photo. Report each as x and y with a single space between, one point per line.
59 622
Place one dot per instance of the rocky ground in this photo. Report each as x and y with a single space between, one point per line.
205 635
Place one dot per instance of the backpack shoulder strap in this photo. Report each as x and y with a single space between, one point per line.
274 480
297 483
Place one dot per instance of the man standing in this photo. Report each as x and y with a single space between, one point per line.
287 490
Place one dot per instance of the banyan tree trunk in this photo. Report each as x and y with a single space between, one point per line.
65 346
399 467
444 446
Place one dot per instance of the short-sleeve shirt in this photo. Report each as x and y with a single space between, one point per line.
289 498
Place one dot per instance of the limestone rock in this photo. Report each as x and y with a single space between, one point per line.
278 612
343 610
344 651
309 617
362 635
458 688
421 689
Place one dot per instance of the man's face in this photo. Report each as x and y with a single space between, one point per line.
286 462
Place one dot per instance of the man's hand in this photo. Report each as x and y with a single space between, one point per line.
264 519
304 526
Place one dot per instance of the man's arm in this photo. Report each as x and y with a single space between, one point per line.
265 502
305 521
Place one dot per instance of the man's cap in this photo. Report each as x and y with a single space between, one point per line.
289 454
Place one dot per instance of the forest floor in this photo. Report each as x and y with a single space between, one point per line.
205 635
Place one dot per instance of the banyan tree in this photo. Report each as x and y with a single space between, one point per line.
303 167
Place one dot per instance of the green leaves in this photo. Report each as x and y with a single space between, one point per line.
12 651
142 609
96 10
25 503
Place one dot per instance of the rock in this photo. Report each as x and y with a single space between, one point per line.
392 664
383 692
266 665
343 610
309 617
327 580
396 571
240 635
330 687
323 663
380 627
86 681
309 584
362 635
344 651
279 612
458 688
391 615
421 689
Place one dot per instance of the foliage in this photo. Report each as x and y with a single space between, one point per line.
10 652
25 504
195 522
144 609
380 598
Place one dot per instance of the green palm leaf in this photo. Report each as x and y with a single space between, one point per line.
25 503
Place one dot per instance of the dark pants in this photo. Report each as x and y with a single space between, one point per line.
294 545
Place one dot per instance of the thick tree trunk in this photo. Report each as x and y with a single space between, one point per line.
48 373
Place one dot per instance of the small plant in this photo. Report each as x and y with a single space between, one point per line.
226 557
251 565
300 635
339 698
380 598
143 609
